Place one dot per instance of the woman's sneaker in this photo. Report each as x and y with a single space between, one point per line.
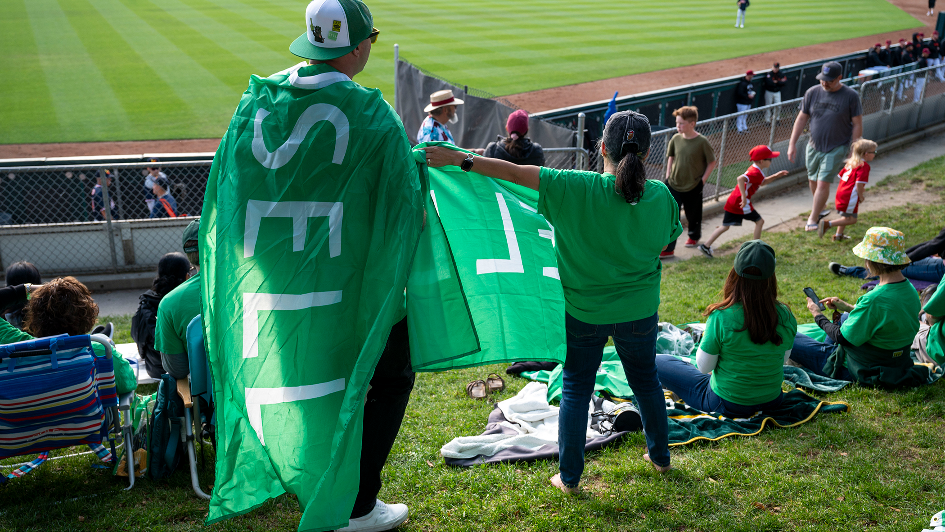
706 250
382 517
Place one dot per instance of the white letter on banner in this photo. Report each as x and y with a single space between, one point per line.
550 235
256 397
309 117
514 263
300 212
254 302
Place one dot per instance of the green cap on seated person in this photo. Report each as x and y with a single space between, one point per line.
191 234
884 245
757 254
332 29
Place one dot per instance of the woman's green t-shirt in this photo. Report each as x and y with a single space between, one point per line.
886 317
747 373
608 249
936 342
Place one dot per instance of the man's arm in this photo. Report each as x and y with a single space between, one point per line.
527 176
799 124
857 127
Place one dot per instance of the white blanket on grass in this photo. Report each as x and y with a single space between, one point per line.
528 414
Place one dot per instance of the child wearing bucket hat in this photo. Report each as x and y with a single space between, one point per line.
871 343
609 231
739 207
747 340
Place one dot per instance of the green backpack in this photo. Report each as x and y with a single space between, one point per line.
165 446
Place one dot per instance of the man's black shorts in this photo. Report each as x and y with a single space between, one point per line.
730 218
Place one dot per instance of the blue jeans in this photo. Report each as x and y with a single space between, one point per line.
692 386
930 269
636 346
813 354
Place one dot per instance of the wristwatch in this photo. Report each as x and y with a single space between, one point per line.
467 163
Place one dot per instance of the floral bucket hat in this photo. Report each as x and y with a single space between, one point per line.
883 245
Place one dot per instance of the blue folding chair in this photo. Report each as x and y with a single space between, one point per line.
191 389
57 393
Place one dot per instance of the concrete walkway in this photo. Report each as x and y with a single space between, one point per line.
782 207
791 204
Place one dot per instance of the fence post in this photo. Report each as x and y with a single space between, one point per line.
718 175
106 202
121 204
396 61
892 105
800 83
582 155
775 116
918 113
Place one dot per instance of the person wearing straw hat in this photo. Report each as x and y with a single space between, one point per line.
871 342
440 111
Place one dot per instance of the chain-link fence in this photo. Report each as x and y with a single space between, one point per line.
892 106
54 216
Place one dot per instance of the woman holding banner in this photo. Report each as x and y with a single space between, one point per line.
609 231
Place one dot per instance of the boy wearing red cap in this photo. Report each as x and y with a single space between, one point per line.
739 206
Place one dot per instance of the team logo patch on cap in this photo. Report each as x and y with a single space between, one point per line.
316 31
630 135
335 28
826 69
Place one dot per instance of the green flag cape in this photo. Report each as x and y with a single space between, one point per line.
312 217
502 253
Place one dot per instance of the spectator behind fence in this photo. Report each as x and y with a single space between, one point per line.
176 309
748 338
886 54
870 344
926 262
65 306
744 96
98 198
609 231
851 190
440 111
154 172
516 148
165 206
922 62
836 118
173 269
774 82
873 58
20 273
689 163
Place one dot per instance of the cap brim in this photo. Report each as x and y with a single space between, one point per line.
775 154
303 48
430 107
821 77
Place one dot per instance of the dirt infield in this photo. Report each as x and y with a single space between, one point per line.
535 101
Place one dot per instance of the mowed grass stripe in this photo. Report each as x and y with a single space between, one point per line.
140 90
25 99
230 16
279 28
225 67
263 59
149 33
86 107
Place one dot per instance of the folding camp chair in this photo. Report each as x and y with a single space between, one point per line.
191 390
57 393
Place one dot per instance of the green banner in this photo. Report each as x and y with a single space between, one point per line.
311 220
503 253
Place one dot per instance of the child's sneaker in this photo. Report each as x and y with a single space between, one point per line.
667 254
706 250
840 238
834 268
822 226
690 243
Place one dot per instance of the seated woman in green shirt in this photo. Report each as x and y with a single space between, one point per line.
872 342
609 231
747 340
65 306
934 310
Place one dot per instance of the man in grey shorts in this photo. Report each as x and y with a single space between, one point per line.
836 119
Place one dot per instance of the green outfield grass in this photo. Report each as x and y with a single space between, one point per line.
94 70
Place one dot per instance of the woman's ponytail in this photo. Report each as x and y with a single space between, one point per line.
631 177
626 140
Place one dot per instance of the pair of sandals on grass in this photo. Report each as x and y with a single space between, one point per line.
821 227
479 389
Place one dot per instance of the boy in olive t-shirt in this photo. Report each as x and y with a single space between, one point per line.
689 162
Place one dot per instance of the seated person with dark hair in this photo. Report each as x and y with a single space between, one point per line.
65 306
176 310
172 272
165 206
871 344
926 265
18 273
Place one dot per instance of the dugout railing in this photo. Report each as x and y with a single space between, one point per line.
45 204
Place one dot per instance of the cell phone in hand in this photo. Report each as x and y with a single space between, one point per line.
809 292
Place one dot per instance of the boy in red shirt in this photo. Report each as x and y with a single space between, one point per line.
853 179
739 206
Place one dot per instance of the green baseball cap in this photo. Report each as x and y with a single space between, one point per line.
758 254
332 29
191 233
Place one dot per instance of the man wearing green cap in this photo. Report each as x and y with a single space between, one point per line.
312 215
176 309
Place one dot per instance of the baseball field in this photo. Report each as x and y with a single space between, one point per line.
103 70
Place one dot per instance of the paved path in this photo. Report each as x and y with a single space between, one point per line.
783 208
791 203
